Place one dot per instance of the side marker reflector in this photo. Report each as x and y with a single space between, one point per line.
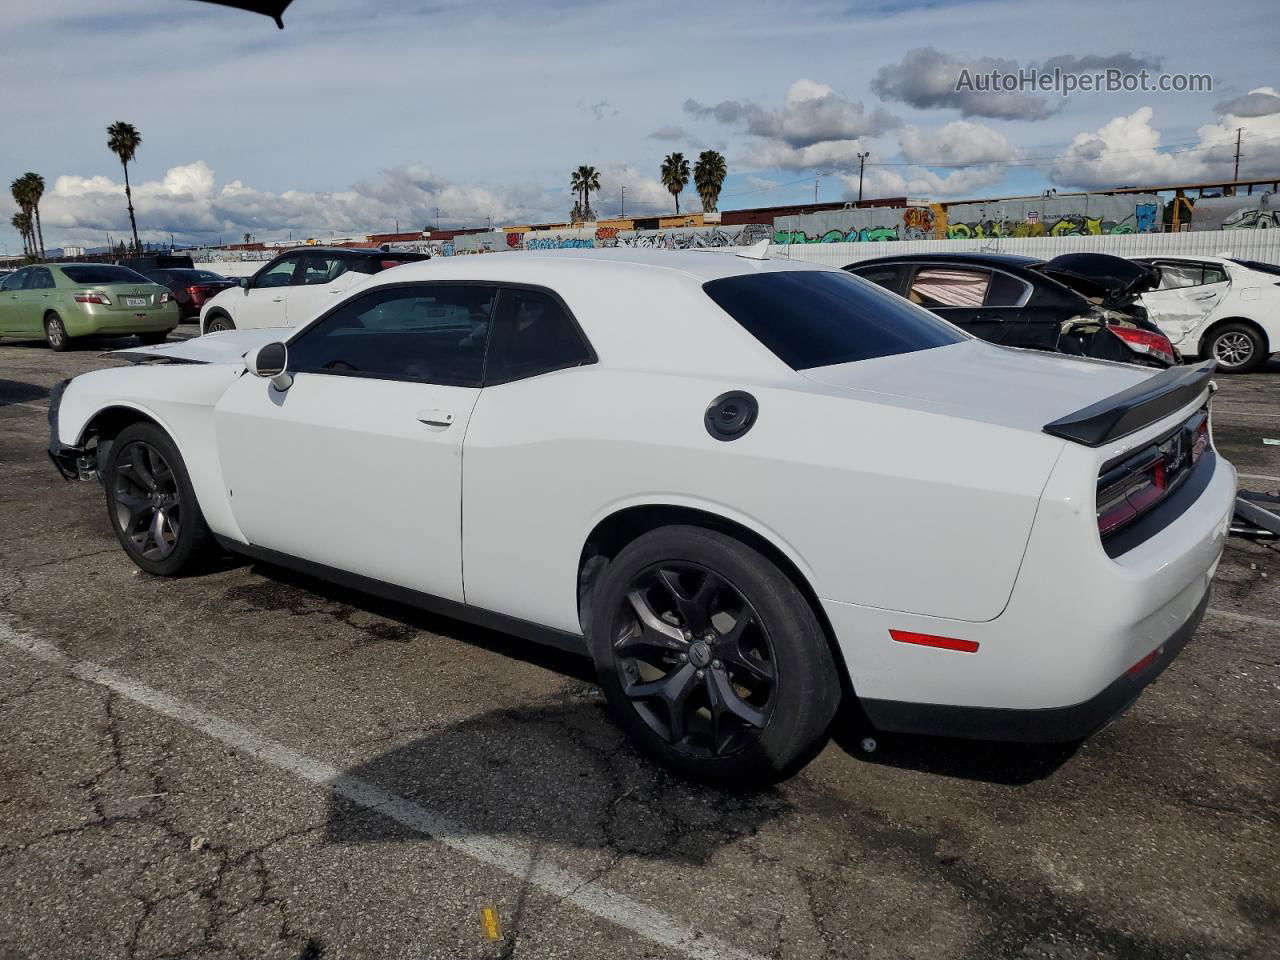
929 640
1146 661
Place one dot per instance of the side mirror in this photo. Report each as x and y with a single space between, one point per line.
269 362
244 283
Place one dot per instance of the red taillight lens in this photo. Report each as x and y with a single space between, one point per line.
939 643
1200 441
1122 498
388 264
1144 341
101 298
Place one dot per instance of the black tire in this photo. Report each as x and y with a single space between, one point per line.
55 333
754 677
1238 348
154 337
218 322
144 474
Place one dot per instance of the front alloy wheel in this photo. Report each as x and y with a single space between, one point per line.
695 660
148 501
1234 349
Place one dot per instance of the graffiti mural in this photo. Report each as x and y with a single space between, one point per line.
862 225
1088 215
1245 212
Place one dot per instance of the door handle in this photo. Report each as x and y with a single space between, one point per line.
1204 296
436 418
278 300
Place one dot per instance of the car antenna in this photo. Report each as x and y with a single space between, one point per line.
757 251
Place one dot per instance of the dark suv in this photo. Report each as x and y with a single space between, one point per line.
1080 303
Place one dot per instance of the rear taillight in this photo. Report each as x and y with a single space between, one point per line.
1129 489
100 298
388 264
1144 341
1200 439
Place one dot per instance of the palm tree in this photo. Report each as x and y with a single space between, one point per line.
248 237
708 176
33 187
675 175
22 223
123 140
584 181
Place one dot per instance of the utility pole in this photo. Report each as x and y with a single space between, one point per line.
1236 175
862 161
437 218
624 203
815 187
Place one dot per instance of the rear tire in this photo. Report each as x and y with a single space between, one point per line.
1237 347
55 333
711 659
151 504
218 323
158 336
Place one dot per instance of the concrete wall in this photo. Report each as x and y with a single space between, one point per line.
1088 215
1259 211
862 225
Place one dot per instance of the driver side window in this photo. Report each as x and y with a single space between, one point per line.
279 274
15 280
434 333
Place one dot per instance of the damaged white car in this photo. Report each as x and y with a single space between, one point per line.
749 489
1217 307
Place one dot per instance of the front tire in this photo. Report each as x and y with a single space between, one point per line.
1237 347
55 333
711 659
219 323
151 504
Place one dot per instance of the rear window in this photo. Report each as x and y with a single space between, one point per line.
103 273
194 276
817 318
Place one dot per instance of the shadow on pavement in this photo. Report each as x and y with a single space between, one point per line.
18 391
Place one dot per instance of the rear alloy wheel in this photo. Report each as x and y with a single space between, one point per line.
55 333
151 503
711 658
219 323
1237 348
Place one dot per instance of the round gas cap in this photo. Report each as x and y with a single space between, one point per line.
730 415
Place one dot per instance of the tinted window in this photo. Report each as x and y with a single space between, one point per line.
888 277
189 276
431 332
15 281
278 274
98 273
322 268
1214 274
532 334
812 318
949 287
40 279
1006 291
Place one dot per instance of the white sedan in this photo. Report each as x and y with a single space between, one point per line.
750 489
1217 307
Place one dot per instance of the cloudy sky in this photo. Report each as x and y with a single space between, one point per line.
364 112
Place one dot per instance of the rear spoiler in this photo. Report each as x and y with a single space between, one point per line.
1130 410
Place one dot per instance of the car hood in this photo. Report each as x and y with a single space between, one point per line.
1113 280
975 380
229 347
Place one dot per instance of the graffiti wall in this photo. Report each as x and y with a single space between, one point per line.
674 238
864 225
1087 215
1259 211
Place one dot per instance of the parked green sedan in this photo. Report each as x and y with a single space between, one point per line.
67 300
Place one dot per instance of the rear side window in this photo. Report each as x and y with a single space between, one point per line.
949 287
532 334
817 318
102 273
1007 291
888 277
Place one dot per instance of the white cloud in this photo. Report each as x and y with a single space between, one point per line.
916 181
958 142
811 113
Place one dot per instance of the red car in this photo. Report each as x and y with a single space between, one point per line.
190 287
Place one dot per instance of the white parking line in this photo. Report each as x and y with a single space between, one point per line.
510 858
1256 476
1243 618
33 406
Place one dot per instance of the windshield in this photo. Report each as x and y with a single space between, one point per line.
103 273
817 318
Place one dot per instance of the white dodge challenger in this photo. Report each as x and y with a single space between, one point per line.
748 488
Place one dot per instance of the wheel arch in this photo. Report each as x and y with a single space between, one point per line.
107 423
612 533
1249 322
213 312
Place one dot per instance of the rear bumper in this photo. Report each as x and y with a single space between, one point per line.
1052 725
86 323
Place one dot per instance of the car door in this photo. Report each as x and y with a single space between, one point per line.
318 282
37 299
958 294
12 301
264 301
1189 293
358 464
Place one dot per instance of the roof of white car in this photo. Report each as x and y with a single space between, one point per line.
698 266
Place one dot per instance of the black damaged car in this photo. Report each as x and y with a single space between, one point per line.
1084 304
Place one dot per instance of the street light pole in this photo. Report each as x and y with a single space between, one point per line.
862 160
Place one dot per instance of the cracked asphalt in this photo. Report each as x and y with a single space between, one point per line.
252 764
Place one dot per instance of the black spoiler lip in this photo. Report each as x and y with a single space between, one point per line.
1132 409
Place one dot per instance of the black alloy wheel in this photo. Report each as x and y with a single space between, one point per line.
147 500
696 660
